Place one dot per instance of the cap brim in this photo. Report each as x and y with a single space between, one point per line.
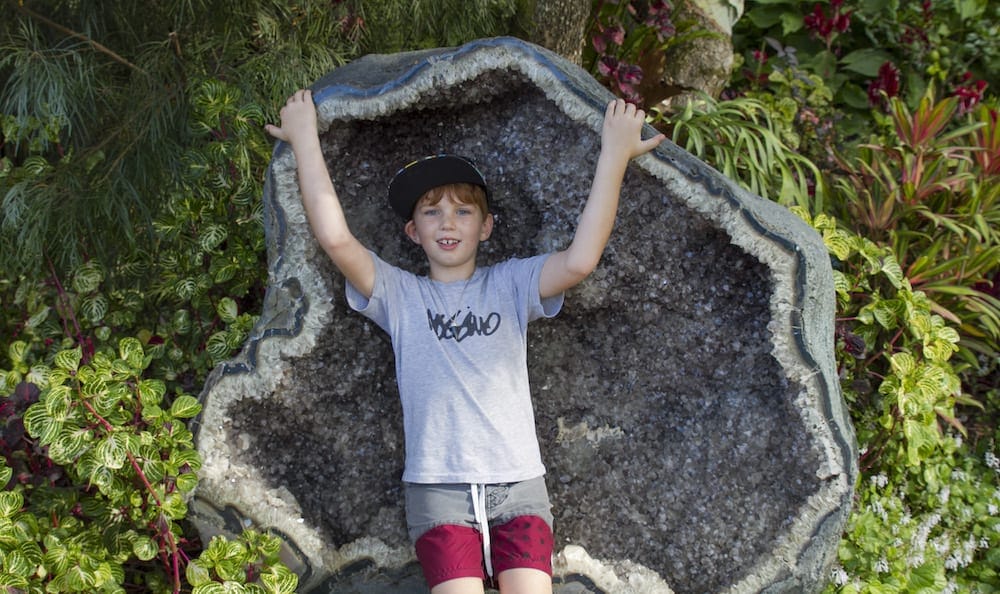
414 180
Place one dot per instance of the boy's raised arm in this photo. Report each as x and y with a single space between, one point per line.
621 140
326 217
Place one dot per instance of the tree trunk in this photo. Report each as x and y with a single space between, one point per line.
561 26
701 63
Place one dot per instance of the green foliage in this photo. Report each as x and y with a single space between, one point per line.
927 517
849 44
930 189
628 43
423 24
249 564
97 105
895 353
119 462
740 138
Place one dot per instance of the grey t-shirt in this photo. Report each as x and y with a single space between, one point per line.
461 365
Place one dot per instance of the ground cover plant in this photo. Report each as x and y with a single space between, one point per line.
131 162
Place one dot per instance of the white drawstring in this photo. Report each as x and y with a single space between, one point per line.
479 509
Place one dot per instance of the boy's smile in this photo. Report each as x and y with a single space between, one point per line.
449 232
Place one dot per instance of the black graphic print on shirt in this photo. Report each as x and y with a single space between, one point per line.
461 325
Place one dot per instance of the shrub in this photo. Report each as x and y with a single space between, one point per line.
927 513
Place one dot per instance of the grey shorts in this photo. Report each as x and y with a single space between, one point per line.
430 506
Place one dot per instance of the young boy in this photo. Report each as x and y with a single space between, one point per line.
476 503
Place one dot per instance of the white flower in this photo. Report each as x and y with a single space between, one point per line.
880 480
878 509
838 576
992 461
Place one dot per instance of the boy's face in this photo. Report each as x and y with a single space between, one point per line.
449 233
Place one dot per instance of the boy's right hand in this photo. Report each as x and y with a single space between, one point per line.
298 119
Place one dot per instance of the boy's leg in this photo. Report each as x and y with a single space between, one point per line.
522 555
459 586
524 581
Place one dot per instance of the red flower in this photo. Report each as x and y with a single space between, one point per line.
885 85
969 93
826 27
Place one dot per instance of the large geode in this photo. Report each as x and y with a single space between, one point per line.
686 396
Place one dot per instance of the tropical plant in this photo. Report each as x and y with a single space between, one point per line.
867 49
928 501
742 139
96 101
930 190
117 459
627 47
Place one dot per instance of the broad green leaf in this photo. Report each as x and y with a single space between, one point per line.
80 579
68 360
11 502
151 391
174 506
929 577
231 569
88 277
16 563
16 351
228 310
185 406
791 22
197 575
145 548
186 289
40 425
186 482
130 350
903 364
210 588
5 473
95 386
58 400
14 583
212 236
920 438
39 375
866 61
111 451
101 477
181 321
94 308
279 580
69 445
185 457
38 317
57 555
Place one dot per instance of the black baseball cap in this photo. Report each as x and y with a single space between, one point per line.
413 181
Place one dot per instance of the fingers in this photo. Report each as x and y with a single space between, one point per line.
620 107
300 96
298 106
276 132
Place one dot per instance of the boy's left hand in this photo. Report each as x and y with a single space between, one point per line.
622 131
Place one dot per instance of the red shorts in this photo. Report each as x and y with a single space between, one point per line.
450 551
